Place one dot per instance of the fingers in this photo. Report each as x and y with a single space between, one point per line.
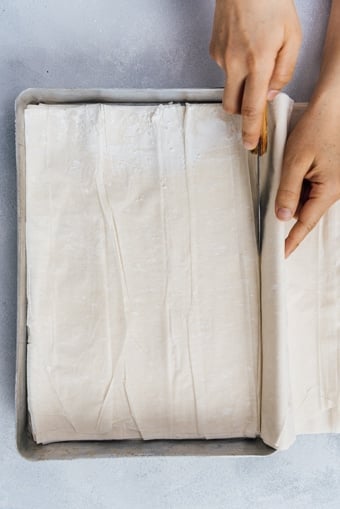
306 200
304 196
246 93
294 168
256 44
254 103
233 92
251 83
310 213
284 66
249 87
235 79
264 84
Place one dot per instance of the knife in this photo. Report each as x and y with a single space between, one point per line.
259 150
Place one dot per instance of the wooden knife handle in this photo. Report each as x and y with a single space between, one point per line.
261 147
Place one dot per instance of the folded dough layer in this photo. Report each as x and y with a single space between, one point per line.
142 271
300 310
313 307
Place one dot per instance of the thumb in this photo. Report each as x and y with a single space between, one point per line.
289 191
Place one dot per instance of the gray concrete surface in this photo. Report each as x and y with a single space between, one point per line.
135 43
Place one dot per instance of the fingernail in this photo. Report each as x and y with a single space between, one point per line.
272 94
248 145
284 214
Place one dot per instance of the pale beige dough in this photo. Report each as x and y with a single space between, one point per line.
144 311
142 266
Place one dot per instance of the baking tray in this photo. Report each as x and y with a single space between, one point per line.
108 448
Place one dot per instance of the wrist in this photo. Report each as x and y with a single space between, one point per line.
326 91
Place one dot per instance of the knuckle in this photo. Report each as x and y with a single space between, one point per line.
259 62
288 193
293 157
287 197
252 60
250 112
307 225
282 77
232 59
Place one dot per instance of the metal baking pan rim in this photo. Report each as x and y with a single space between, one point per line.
110 448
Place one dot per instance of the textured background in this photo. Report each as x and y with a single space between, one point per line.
135 43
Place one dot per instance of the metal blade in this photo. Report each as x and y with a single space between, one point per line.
258 186
259 150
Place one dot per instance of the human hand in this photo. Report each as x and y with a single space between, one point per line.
256 42
310 178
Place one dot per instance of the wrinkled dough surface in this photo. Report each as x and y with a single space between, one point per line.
142 273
